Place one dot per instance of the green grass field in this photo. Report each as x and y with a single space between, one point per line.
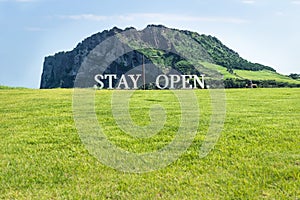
251 75
256 157
265 75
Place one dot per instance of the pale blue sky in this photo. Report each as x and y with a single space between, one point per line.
264 31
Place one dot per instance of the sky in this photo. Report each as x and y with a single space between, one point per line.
262 31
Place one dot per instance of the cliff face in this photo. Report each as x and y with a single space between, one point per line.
60 70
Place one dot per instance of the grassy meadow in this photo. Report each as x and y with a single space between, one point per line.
251 75
256 157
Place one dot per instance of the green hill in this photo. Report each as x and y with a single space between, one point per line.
166 48
224 56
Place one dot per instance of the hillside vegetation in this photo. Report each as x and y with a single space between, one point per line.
263 78
224 56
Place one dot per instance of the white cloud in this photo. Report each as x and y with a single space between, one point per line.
19 1
295 2
280 13
85 17
25 0
183 18
34 29
248 1
155 16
